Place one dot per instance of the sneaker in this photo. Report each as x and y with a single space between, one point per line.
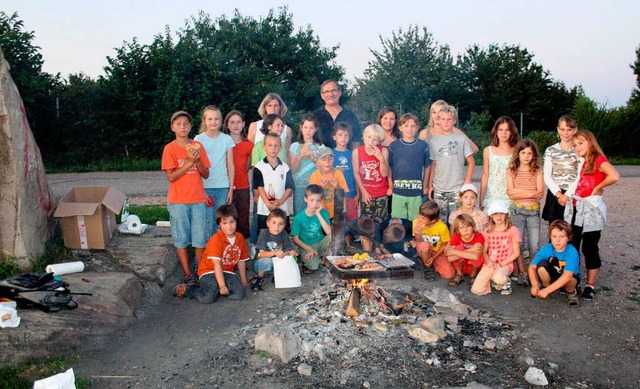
429 274
514 278
494 285
506 289
589 293
256 283
191 280
523 279
180 290
562 291
572 299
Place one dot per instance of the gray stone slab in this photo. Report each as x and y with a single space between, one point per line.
151 256
112 307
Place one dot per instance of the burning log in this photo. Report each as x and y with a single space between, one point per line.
353 307
388 302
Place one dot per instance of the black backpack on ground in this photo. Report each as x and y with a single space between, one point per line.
38 290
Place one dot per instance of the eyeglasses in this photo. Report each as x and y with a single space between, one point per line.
330 91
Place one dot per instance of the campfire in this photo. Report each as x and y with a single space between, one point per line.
364 292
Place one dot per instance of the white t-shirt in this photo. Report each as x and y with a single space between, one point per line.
260 135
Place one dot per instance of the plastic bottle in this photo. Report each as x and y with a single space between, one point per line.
271 195
125 211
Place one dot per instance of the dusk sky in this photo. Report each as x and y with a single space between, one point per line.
588 43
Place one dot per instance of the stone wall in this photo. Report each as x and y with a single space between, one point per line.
25 197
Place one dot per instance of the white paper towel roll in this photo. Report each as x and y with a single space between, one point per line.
65 268
134 224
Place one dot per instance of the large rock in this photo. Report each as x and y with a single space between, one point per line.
151 256
115 299
278 340
25 197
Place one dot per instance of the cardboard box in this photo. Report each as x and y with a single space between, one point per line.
88 216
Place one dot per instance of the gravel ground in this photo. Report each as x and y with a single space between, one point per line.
184 344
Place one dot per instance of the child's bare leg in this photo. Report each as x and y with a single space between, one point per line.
519 265
591 276
570 286
261 273
545 279
366 243
458 268
199 252
183 258
425 256
474 271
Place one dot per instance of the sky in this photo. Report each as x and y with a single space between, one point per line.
580 42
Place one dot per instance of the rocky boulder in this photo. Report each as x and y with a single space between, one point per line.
25 197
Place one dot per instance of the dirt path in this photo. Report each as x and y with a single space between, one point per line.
185 344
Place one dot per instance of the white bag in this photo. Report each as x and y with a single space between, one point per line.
286 272
66 380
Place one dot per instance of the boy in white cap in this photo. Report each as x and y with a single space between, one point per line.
467 196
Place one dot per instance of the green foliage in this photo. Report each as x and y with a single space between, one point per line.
505 80
231 62
616 129
544 139
635 95
8 267
24 374
478 129
150 214
35 86
409 73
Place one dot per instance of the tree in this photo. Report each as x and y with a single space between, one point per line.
230 62
504 80
35 86
410 72
635 95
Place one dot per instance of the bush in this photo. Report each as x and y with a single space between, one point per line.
543 139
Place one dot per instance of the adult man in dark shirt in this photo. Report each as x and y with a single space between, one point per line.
332 112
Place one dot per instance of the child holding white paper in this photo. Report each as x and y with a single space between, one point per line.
272 242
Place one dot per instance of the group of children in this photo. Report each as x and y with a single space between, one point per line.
393 179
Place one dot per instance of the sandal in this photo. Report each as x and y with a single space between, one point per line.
472 279
572 299
457 280
306 270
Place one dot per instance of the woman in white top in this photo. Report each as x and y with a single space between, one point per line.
272 103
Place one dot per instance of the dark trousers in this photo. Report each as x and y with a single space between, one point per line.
242 199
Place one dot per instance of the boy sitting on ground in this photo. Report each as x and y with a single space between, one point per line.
556 266
308 228
225 250
272 242
431 237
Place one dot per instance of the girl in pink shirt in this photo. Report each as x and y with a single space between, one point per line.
501 249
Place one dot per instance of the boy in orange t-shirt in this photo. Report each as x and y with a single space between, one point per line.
186 163
329 178
225 250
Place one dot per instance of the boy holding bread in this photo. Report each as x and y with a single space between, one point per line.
185 163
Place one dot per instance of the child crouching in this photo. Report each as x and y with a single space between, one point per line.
465 250
501 248
431 237
556 265
272 242
311 229
225 250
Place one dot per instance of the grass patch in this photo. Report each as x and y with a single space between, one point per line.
635 299
606 288
24 374
54 252
635 267
150 214
107 165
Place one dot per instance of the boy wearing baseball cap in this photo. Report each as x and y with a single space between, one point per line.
329 178
185 163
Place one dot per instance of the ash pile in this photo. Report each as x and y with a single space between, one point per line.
413 338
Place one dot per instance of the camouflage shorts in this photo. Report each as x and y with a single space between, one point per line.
448 203
378 209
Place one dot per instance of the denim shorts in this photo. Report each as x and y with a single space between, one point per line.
188 224
263 264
